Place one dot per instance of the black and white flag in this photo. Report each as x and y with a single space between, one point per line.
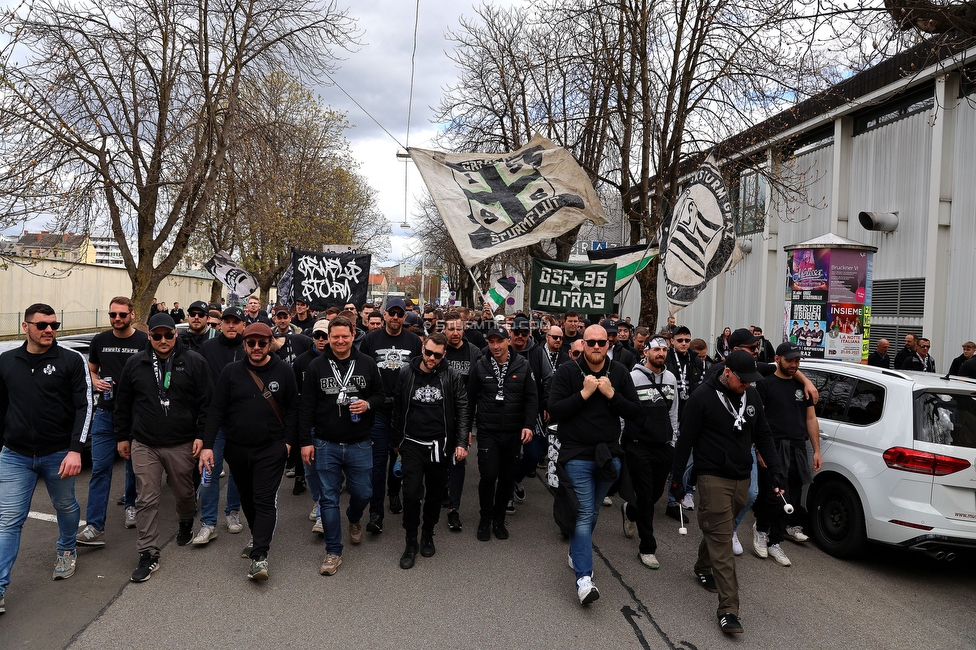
285 287
231 275
325 279
698 243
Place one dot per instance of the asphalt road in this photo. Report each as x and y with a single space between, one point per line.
517 593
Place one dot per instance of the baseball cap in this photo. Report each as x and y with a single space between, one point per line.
788 350
497 331
257 329
743 364
741 337
280 308
394 303
411 319
233 312
521 323
199 305
162 319
321 326
610 326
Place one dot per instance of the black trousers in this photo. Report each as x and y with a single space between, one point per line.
257 472
498 455
420 472
455 480
649 465
770 516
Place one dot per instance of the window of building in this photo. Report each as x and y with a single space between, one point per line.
749 209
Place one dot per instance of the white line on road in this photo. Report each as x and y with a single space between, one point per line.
43 516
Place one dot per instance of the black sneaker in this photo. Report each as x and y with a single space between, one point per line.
501 532
148 563
446 500
375 524
707 581
409 553
729 623
396 505
672 511
300 486
186 533
519 492
510 508
484 530
454 521
427 545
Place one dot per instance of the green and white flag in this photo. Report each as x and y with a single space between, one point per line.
630 261
497 294
561 286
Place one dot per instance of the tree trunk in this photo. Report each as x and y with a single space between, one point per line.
648 284
216 289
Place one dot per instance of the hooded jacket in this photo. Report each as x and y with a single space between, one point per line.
455 404
138 412
46 409
318 408
219 351
520 406
535 354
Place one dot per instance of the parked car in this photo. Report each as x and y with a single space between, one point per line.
898 451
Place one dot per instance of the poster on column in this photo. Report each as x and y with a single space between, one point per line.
809 274
807 327
848 273
845 331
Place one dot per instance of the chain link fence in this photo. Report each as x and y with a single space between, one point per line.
71 322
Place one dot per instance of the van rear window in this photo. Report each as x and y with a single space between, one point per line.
946 418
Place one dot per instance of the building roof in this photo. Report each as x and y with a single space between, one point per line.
46 239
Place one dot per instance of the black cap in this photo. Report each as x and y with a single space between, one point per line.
521 323
788 350
497 331
411 319
215 306
233 312
741 337
743 364
682 329
610 326
199 305
162 319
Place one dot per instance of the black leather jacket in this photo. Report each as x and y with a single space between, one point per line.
457 415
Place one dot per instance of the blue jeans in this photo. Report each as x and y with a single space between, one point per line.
332 460
18 478
380 436
210 495
103 449
590 492
753 491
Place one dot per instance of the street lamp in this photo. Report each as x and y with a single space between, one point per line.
402 154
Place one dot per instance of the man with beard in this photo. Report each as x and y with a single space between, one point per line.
391 348
374 321
721 422
792 419
688 370
907 351
255 402
107 354
199 329
555 353
461 356
430 428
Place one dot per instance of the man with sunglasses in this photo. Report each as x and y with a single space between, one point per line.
391 348
45 406
688 370
430 430
255 401
199 329
721 422
588 397
920 359
555 353
525 345
107 354
162 399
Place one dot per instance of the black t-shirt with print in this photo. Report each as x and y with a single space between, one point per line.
390 354
111 353
425 420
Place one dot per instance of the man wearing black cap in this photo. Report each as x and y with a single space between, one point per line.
721 422
255 402
525 345
288 342
618 351
504 392
199 329
162 398
391 348
792 419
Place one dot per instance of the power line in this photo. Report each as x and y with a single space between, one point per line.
413 68
363 109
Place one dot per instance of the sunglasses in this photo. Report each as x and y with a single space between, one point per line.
169 336
751 348
682 340
118 314
192 314
592 343
320 335
555 337
575 354
261 343
925 347
431 353
520 332
732 372
43 326
396 313
428 320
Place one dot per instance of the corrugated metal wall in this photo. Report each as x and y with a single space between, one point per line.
961 305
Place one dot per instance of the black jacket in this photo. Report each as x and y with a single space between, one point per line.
624 355
140 416
585 423
195 341
879 360
46 410
957 364
245 413
535 354
694 372
457 420
318 407
219 351
915 362
521 404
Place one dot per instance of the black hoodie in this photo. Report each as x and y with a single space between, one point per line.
318 407
219 351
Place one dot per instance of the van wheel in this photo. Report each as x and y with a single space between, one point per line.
838 520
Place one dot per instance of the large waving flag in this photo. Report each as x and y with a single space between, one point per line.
497 294
491 203
630 261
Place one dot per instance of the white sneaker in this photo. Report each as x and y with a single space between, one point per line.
630 527
206 534
234 524
317 528
586 590
736 545
312 516
607 501
777 554
688 503
570 558
796 534
760 542
650 561
130 517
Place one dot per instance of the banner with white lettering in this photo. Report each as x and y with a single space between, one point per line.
231 275
561 286
325 279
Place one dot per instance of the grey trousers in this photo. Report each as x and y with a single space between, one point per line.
148 464
719 502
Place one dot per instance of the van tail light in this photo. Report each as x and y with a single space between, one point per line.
922 462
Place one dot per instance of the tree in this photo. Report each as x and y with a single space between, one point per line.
124 111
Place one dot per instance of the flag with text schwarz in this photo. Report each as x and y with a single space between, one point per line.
325 279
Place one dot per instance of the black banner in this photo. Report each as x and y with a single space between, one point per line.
325 279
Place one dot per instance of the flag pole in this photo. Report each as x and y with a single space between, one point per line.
476 285
643 257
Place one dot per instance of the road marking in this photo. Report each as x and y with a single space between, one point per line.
43 516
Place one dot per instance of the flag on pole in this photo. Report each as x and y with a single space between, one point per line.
238 281
497 294
561 286
491 203
698 242
630 260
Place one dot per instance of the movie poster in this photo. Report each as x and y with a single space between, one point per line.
845 331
